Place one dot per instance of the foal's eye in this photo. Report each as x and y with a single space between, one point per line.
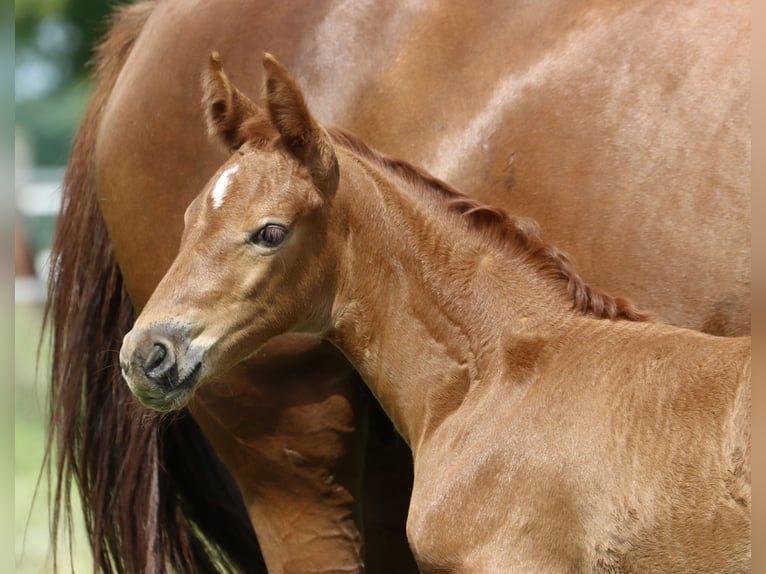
270 235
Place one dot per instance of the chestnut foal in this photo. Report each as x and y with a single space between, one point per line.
552 430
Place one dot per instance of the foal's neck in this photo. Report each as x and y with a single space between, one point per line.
427 309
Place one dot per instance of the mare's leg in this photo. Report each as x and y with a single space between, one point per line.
290 424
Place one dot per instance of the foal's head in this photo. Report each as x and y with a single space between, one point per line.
253 260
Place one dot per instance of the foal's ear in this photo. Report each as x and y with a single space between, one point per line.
226 108
308 141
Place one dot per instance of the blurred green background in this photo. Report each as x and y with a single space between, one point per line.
53 48
31 509
54 41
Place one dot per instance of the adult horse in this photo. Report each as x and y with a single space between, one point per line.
623 129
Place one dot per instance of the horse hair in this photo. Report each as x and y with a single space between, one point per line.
144 509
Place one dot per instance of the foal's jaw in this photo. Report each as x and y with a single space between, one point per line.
177 346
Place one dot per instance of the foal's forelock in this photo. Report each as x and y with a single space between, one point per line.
522 233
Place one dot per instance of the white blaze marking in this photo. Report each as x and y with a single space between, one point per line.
222 186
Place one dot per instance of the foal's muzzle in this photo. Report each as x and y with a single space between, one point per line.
160 365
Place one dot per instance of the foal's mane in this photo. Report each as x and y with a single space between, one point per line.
524 232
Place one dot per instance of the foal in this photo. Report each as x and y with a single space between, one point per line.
547 434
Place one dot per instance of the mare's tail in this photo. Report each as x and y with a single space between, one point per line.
155 497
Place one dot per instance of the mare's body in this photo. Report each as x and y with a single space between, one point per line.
623 128
551 429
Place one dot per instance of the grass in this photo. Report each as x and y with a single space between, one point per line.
32 542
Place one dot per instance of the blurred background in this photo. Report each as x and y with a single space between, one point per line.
51 79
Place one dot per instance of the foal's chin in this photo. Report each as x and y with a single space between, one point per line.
162 400
174 400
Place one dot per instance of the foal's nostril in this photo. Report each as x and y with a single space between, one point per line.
159 364
151 359
156 356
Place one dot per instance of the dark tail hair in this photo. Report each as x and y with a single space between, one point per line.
155 497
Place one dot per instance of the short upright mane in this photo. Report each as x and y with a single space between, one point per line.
523 231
